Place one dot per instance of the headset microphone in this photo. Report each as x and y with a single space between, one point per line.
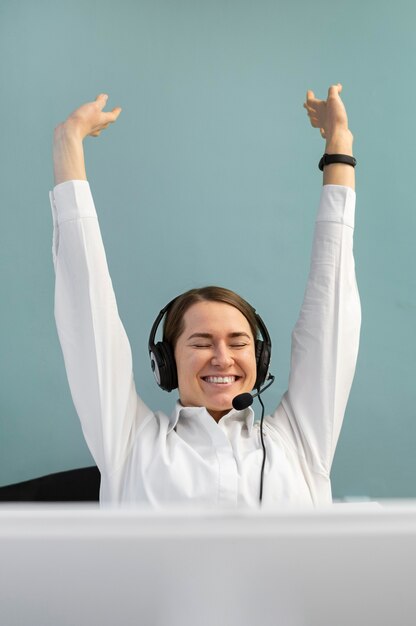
244 400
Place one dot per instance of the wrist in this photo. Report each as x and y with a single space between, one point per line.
340 143
68 153
68 133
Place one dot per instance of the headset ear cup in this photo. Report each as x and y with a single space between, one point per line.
155 362
165 366
259 348
262 361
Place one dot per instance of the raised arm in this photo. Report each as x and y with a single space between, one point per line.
68 151
326 336
96 350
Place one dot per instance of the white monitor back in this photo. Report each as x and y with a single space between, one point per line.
339 567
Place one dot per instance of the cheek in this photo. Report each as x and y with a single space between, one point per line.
254 368
188 367
249 358
251 366
187 364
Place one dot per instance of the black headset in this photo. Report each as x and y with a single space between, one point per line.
163 363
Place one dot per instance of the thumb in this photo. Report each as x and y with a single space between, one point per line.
334 90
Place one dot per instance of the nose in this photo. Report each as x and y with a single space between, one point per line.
222 356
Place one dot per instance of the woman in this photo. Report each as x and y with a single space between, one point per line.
206 452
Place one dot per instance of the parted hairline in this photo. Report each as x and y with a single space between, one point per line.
174 323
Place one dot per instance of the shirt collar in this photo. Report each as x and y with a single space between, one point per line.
187 412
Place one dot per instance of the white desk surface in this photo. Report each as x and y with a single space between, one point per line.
346 565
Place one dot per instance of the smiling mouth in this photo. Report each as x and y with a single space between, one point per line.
220 380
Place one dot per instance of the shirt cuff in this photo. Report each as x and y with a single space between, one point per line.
337 205
72 200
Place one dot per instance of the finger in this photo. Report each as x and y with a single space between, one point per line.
310 95
102 126
109 117
101 100
312 101
311 111
314 122
309 106
115 113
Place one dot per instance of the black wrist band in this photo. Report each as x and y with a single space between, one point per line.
328 159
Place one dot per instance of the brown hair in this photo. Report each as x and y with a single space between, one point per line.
174 325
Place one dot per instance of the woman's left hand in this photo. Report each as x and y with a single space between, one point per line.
331 118
328 115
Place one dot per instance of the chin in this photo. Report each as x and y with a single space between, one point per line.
222 405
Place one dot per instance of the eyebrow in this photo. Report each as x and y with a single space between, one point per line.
210 336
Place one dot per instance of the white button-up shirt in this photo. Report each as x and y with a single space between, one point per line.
149 457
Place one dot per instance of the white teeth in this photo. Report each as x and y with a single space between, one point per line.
219 379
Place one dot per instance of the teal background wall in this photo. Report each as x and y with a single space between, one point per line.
209 176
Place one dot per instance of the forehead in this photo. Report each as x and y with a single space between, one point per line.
215 317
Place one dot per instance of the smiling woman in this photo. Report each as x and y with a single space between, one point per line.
207 451
189 323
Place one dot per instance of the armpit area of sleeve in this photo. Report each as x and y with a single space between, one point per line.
337 205
72 200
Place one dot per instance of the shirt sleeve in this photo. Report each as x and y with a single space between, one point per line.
96 350
326 336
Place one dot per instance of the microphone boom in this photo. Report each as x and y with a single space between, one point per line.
244 400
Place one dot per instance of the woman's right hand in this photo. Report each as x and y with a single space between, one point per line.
68 153
90 119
